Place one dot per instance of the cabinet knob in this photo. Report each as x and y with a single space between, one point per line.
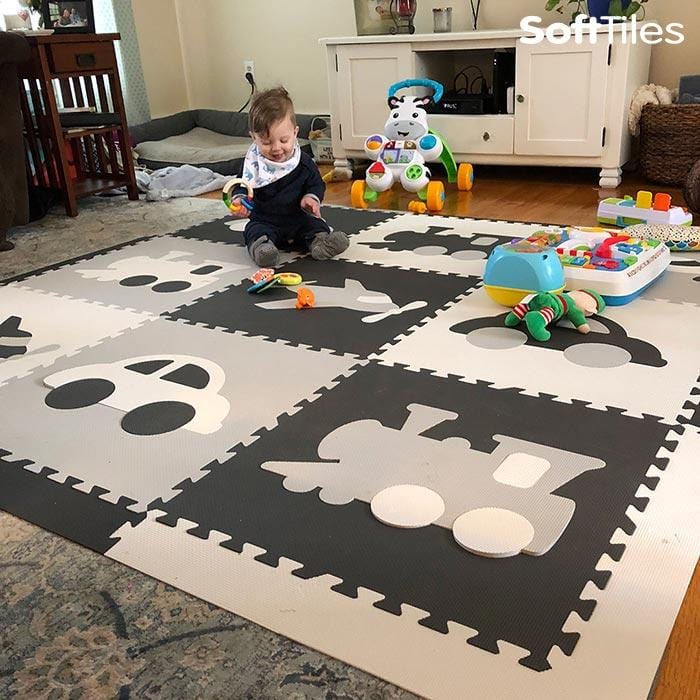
486 136
521 98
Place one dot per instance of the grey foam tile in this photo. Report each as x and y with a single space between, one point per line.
101 422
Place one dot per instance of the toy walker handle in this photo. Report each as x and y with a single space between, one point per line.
418 82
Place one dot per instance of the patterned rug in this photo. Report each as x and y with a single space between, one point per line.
392 477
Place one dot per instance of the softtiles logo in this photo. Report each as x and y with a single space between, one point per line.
591 30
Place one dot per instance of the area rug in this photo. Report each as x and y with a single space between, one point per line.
391 477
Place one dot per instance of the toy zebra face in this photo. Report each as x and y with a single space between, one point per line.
407 119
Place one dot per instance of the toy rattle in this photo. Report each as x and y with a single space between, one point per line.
242 202
266 278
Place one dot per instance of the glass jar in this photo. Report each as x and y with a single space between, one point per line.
442 19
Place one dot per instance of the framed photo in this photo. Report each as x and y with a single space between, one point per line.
69 17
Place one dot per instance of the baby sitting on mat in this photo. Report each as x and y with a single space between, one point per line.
287 185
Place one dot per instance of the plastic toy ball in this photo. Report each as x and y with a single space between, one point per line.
245 202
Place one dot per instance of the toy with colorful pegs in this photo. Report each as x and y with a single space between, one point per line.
645 209
237 204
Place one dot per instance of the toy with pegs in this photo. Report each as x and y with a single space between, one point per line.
400 153
646 208
238 204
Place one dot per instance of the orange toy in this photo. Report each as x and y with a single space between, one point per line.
305 298
417 206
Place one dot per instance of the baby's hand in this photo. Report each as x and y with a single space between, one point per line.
310 205
242 212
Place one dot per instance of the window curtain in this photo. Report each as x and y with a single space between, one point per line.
118 16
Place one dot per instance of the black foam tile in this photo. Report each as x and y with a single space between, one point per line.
353 221
80 517
524 600
339 328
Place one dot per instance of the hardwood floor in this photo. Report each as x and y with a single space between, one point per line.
540 195
563 196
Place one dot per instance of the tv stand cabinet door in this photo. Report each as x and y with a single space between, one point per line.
561 98
365 71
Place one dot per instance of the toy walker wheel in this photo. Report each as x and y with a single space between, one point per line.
465 177
435 195
357 194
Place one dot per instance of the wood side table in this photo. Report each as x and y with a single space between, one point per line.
74 71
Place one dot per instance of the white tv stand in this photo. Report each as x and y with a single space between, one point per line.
571 99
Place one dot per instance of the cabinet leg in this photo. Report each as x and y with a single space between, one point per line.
70 204
4 243
342 171
610 178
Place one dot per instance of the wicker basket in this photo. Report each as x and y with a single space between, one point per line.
669 142
691 191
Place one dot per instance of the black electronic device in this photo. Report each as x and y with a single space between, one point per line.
503 78
469 95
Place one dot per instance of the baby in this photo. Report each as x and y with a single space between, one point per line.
287 185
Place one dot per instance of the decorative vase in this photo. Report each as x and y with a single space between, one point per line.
601 8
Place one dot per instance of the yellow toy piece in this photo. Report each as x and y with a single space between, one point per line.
506 296
417 207
465 177
357 194
435 195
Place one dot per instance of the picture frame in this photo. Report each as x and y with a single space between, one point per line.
71 17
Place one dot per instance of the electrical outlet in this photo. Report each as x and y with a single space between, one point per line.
249 67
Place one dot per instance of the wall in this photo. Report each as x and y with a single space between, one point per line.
161 56
193 52
281 36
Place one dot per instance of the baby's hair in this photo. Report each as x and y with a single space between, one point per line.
269 107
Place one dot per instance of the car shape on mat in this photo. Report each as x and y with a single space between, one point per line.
563 338
479 245
175 273
158 393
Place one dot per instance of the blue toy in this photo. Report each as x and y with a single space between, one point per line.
618 266
400 154
519 268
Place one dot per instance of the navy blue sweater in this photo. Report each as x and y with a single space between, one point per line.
278 202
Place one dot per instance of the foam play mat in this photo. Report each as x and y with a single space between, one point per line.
392 477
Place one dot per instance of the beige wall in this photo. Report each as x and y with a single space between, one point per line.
161 56
193 52
281 36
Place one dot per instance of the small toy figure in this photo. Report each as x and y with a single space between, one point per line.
417 207
305 298
539 310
